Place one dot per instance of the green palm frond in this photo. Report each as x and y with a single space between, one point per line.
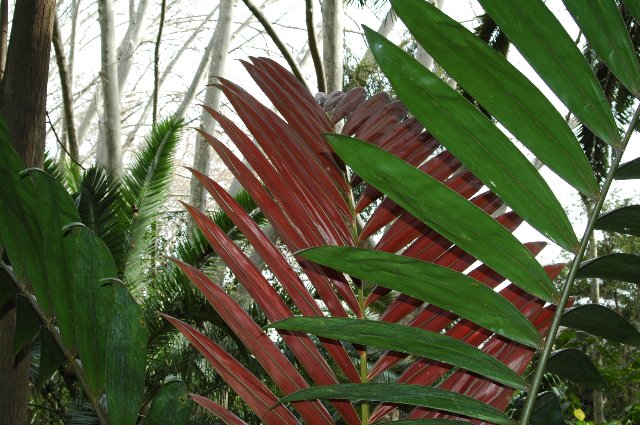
144 190
101 208
620 98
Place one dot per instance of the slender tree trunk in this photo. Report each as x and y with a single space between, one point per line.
4 29
129 44
109 153
333 43
188 98
202 154
598 397
156 62
313 46
23 96
67 96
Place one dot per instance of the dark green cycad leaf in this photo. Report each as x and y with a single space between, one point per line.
625 267
474 140
601 321
34 245
501 89
170 406
145 189
624 220
574 365
27 324
547 410
126 355
405 339
431 283
88 262
602 24
415 395
628 170
447 212
51 358
553 54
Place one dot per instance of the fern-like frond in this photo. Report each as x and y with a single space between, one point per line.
145 188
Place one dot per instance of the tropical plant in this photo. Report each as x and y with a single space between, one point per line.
435 225
117 210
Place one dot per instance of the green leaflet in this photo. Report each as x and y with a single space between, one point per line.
624 267
628 170
170 406
474 140
601 321
498 86
448 213
622 220
126 355
553 54
574 365
405 339
415 395
434 284
602 24
547 410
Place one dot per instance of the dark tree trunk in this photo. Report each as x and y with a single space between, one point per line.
23 97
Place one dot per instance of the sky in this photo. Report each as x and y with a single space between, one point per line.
286 15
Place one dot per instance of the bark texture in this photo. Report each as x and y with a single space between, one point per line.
67 95
333 43
23 97
109 152
202 154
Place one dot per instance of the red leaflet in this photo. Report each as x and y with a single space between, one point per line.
278 265
351 100
270 302
247 386
220 412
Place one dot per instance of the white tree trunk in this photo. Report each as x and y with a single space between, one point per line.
124 55
202 154
109 153
333 43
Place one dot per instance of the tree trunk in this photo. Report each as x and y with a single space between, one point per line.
185 104
129 44
67 95
333 43
598 397
202 154
23 96
4 28
109 152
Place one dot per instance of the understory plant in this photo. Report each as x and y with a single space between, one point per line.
427 310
